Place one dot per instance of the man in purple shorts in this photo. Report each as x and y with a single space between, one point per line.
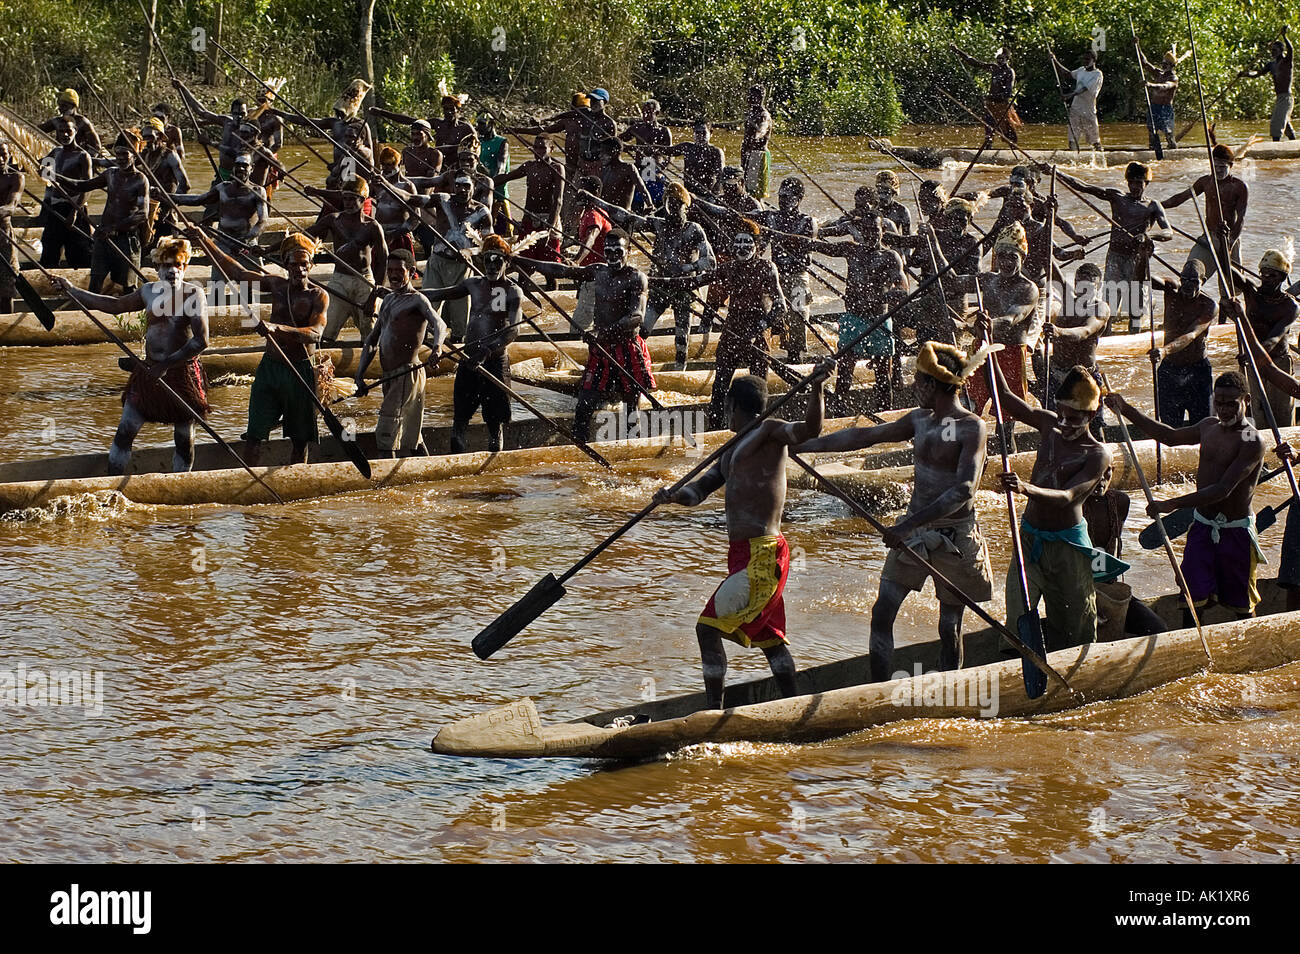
1222 551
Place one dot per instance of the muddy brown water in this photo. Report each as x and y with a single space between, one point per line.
272 675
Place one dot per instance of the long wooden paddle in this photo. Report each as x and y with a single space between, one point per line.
1030 656
1153 137
1164 537
1029 625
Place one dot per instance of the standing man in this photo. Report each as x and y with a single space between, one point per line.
459 223
494 159
544 199
176 333
1083 101
406 321
1061 564
618 291
1272 313
167 171
1162 88
1128 257
793 259
231 144
171 132
11 187
1076 333
999 114
1222 551
620 182
755 159
702 161
495 313
1226 197
83 130
359 247
66 227
1184 374
948 443
241 209
270 137
1281 68
298 311
887 186
115 252
648 131
393 213
748 607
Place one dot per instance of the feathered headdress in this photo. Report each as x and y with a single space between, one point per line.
349 100
927 362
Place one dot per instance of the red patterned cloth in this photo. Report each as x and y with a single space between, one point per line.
602 374
153 401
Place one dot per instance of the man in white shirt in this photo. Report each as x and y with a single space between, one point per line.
1083 103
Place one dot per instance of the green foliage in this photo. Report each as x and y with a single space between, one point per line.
833 66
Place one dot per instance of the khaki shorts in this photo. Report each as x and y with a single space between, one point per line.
401 416
960 555
344 290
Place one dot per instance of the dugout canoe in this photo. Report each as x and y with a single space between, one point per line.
838 699
37 484
931 158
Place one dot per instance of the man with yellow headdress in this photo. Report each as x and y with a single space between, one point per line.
948 443
1010 302
1061 563
176 333
1272 314
84 134
298 309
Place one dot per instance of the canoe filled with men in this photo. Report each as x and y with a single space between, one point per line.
432 245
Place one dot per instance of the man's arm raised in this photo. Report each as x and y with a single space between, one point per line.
1169 436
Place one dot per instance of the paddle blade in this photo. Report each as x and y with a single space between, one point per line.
1030 630
34 301
1176 524
1268 516
513 621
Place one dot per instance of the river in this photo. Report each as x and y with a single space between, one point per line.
272 675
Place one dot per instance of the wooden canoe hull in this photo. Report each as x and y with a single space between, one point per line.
930 158
1101 671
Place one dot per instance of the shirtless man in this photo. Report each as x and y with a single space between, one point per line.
1128 255
166 172
11 188
702 161
406 321
1221 552
1288 571
495 313
1224 224
545 180
618 292
751 287
83 129
421 158
115 252
619 179
680 248
793 260
1162 88
1272 315
948 443
458 223
66 230
347 131
1012 300
393 212
999 114
569 122
171 132
175 335
1061 564
270 138
1281 68
449 130
231 143
359 247
241 208
887 186
1076 333
1184 374
298 311
875 284
754 158
748 607
648 131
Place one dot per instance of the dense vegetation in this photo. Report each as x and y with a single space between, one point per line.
835 66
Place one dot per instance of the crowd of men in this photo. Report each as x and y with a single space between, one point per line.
430 248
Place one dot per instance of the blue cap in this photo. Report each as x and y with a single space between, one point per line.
601 94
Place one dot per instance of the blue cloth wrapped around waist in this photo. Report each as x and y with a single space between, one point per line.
1104 566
